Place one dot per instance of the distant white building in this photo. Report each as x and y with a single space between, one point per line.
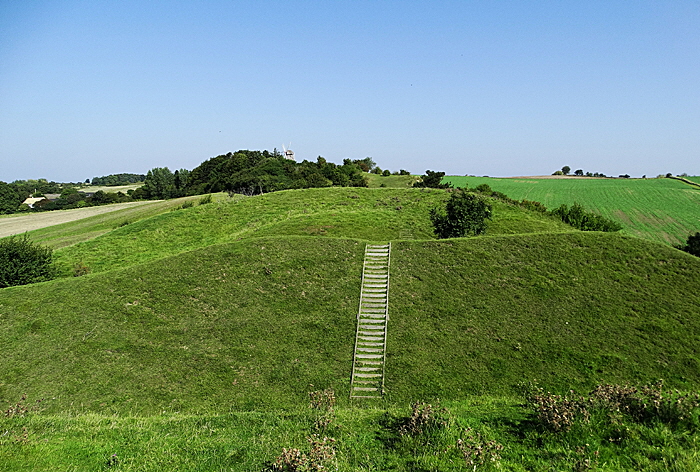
30 201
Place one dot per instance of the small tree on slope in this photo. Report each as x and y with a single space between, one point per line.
465 213
692 246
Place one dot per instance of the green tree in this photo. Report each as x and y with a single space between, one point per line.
578 172
464 213
692 245
366 164
23 262
433 180
565 170
10 199
159 183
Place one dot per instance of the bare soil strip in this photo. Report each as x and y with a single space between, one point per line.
22 223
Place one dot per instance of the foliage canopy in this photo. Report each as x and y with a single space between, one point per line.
465 213
692 245
23 262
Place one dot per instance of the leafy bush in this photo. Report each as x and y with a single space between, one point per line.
23 262
579 218
465 213
692 245
432 180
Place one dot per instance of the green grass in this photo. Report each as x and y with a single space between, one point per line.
370 214
67 234
366 439
662 210
251 324
391 181
195 340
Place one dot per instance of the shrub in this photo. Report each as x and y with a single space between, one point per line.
556 413
432 180
205 200
464 213
23 262
579 218
692 245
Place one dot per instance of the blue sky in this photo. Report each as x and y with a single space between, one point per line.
499 88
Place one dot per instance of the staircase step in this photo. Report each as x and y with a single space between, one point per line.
367 379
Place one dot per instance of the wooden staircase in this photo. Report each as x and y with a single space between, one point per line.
370 340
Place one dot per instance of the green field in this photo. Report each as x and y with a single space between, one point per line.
195 339
662 210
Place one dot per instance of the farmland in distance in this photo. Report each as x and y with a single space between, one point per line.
662 210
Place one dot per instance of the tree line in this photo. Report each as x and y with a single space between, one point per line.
246 172
252 173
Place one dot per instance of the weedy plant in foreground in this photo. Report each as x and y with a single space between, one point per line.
478 452
322 403
424 417
321 453
320 456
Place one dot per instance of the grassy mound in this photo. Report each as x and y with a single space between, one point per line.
251 324
195 339
370 214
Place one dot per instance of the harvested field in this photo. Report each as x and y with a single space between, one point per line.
18 224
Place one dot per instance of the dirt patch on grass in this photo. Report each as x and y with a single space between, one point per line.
622 216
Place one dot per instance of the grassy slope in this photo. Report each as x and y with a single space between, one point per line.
251 324
88 228
370 214
662 210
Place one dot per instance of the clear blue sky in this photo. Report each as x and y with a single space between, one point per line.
499 88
